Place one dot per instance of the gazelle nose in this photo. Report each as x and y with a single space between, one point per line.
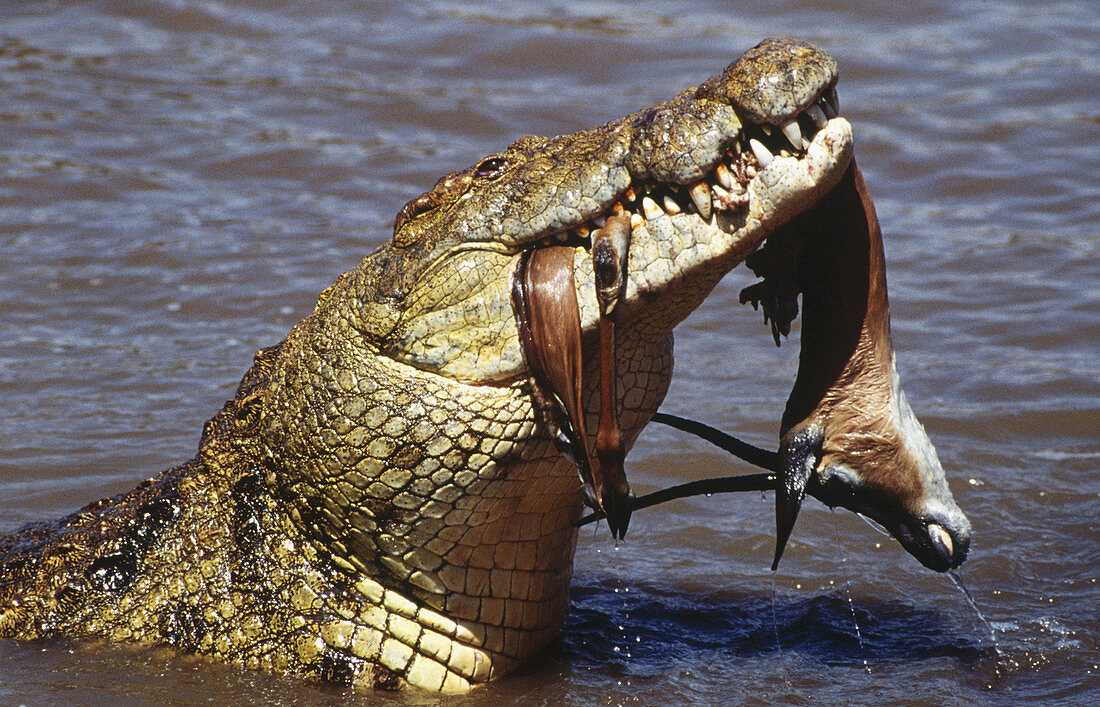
951 546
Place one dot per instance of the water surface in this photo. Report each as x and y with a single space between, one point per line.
178 181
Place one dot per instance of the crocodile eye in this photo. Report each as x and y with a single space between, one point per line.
491 167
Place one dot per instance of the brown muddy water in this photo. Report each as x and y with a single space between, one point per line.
179 180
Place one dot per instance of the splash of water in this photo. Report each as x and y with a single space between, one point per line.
979 618
778 645
848 595
623 645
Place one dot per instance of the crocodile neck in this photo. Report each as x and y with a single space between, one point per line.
383 501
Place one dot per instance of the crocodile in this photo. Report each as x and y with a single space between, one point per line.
385 500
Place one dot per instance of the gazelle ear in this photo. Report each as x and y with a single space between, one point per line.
799 453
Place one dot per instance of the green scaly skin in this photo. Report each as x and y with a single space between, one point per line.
381 503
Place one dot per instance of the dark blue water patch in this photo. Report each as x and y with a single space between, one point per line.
646 630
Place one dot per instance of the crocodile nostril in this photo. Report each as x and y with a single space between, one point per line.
777 79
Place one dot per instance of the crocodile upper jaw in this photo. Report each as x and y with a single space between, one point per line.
704 186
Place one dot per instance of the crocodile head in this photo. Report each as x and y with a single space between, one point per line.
704 178
687 172
400 426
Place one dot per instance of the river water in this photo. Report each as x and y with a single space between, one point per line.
180 179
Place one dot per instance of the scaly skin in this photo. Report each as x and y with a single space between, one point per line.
382 503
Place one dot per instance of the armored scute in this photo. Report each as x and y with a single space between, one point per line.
390 496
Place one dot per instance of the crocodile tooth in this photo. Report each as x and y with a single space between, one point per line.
649 206
833 99
767 129
700 194
724 176
636 221
763 155
629 194
582 231
750 171
830 112
817 115
671 206
600 220
793 133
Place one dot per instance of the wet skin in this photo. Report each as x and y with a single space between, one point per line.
384 501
